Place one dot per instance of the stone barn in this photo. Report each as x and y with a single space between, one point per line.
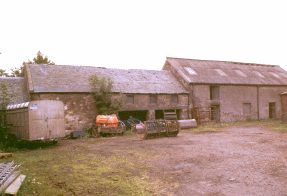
236 91
148 93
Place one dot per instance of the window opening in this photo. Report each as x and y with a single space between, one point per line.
246 108
190 71
239 72
274 74
220 72
258 74
152 99
130 99
214 92
174 99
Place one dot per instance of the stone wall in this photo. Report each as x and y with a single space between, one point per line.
142 102
163 101
267 95
284 108
232 98
80 111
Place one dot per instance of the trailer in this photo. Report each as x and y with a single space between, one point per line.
36 120
161 128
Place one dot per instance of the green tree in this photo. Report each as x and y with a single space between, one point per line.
5 95
101 90
17 72
39 59
3 73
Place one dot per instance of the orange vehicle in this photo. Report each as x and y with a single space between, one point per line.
107 120
109 124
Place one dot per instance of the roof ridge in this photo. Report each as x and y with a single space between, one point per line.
100 67
234 62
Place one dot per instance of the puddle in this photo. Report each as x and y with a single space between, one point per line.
181 165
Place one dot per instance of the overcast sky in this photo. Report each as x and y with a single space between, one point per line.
141 34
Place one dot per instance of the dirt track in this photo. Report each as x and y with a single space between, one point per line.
240 160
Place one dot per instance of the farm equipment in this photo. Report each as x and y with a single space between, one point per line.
161 128
109 124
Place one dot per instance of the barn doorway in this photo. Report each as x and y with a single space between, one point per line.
139 114
272 113
215 113
159 114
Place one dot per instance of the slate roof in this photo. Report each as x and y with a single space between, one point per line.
67 78
17 85
226 72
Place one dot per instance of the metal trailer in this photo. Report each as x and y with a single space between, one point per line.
36 120
161 128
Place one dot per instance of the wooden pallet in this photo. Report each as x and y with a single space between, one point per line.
5 155
14 186
170 114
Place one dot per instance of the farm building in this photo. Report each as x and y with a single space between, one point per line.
235 91
230 91
148 93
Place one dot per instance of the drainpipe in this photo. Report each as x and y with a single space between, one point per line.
192 95
188 107
258 102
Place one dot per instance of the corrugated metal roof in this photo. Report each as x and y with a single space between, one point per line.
67 78
212 72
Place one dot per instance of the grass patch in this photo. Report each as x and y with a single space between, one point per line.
277 127
214 127
79 170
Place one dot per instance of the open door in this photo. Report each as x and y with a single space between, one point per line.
215 114
272 113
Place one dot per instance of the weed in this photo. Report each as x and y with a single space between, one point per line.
277 127
128 132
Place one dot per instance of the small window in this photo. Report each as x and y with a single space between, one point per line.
258 74
274 74
246 108
130 99
239 72
190 71
220 72
152 99
214 92
174 99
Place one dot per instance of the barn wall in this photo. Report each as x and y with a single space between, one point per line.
284 107
232 98
142 102
80 111
268 95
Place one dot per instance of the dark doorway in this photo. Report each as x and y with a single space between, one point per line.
272 110
139 114
159 114
215 113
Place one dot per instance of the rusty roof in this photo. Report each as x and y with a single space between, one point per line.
67 78
227 72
